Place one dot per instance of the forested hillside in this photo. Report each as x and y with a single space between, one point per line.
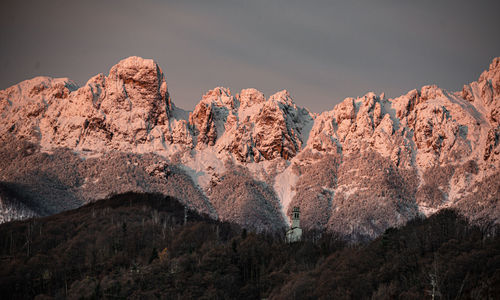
138 246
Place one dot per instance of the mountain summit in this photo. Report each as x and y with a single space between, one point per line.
368 164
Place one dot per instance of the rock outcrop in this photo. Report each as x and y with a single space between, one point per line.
24 105
127 108
249 126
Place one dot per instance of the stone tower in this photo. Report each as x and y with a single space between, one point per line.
296 217
294 234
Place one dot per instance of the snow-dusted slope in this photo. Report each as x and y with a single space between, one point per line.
367 164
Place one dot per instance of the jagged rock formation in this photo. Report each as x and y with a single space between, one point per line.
248 126
369 163
127 108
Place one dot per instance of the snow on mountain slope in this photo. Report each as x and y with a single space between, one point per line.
367 164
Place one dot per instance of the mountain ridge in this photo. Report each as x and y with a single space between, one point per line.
274 146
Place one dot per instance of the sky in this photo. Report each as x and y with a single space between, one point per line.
320 51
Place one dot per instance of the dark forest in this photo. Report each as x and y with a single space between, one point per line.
139 246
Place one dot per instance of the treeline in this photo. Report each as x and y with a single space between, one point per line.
139 246
441 256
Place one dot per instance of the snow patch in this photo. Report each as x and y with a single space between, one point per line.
284 184
201 165
427 211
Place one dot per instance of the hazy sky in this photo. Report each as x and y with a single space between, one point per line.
320 51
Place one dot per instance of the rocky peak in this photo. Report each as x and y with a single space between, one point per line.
344 111
280 127
23 105
219 96
248 126
484 94
323 136
273 138
489 89
136 82
210 115
127 108
492 75
282 97
132 106
250 97
428 92
486 89
489 83
202 119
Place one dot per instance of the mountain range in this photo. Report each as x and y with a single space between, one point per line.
368 164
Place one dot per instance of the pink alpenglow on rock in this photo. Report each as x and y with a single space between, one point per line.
367 164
